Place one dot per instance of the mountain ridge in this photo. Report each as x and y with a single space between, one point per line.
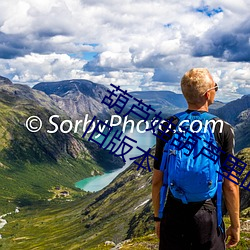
4 80
72 95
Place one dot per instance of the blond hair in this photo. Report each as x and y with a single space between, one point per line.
195 83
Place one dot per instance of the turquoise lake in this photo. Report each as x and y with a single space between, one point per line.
96 183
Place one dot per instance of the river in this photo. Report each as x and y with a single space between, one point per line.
96 183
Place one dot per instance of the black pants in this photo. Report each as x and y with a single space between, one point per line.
191 226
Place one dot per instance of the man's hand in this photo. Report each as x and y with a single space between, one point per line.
233 234
157 228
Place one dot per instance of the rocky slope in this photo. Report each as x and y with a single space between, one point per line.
237 114
4 80
232 110
167 102
77 97
242 130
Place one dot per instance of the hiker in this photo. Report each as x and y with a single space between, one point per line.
188 220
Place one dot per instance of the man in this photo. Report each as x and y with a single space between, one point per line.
194 225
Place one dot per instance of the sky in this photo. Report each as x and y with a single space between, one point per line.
141 45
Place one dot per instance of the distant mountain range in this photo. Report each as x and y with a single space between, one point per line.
80 97
72 95
167 101
237 112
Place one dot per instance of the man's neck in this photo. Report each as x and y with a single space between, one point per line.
198 107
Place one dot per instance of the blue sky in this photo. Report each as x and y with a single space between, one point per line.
140 45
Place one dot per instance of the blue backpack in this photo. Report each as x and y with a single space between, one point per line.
189 175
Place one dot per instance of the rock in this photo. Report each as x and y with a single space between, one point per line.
109 243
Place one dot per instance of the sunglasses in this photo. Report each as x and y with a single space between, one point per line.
216 87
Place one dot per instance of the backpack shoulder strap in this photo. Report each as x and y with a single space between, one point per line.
181 115
208 116
205 115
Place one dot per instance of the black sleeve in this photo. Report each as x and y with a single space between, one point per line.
160 143
225 139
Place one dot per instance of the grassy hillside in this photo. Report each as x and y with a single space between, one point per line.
31 164
82 223
120 212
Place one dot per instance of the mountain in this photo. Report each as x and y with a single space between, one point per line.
31 164
160 99
167 102
216 105
121 211
242 130
4 80
237 114
77 97
72 95
232 110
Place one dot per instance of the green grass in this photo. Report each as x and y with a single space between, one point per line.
51 225
244 243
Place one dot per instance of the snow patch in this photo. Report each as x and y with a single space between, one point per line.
143 203
2 223
141 187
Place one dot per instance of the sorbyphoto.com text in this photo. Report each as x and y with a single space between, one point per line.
34 124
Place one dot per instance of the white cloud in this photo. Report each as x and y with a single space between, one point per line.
35 68
140 44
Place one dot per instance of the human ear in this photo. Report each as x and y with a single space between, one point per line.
207 95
